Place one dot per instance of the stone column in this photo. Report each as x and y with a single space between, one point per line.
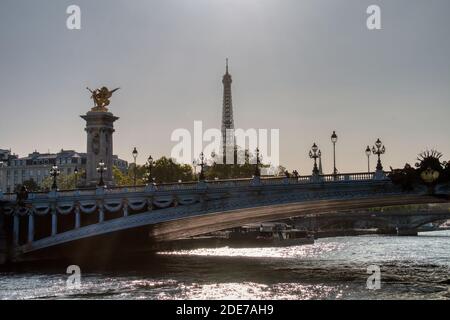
125 209
54 222
99 129
16 225
30 227
101 213
77 217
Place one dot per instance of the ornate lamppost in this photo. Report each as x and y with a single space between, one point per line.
194 165
75 171
315 153
334 139
368 153
202 165
257 170
54 172
149 167
101 169
379 149
135 154
213 158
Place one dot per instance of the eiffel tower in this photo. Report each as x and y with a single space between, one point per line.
227 113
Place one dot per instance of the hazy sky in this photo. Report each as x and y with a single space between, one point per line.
304 67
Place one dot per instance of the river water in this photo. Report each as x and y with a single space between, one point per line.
332 268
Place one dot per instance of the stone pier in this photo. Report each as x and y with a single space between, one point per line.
407 232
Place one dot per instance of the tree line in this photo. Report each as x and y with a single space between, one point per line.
164 170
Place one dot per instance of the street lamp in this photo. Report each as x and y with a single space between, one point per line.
101 169
334 139
54 172
213 157
76 176
257 170
149 170
194 165
202 164
379 150
313 154
368 153
135 154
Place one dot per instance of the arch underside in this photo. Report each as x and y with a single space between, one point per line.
414 220
164 225
198 225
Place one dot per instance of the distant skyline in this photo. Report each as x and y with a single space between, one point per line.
304 67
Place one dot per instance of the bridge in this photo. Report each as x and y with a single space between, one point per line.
399 220
125 220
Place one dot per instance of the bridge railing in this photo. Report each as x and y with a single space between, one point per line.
191 185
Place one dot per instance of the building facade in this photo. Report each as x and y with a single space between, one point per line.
15 170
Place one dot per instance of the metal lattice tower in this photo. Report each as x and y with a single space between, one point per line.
227 109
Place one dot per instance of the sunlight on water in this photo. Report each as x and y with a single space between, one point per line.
249 291
431 247
304 251
333 268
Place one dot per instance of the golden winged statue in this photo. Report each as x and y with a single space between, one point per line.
101 98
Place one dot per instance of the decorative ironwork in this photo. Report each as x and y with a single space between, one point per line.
315 153
54 172
149 167
101 169
379 149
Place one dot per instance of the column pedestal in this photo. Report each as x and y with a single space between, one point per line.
99 129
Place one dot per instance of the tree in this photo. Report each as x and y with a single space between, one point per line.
234 171
31 185
63 181
405 177
167 170
446 172
164 170
121 179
